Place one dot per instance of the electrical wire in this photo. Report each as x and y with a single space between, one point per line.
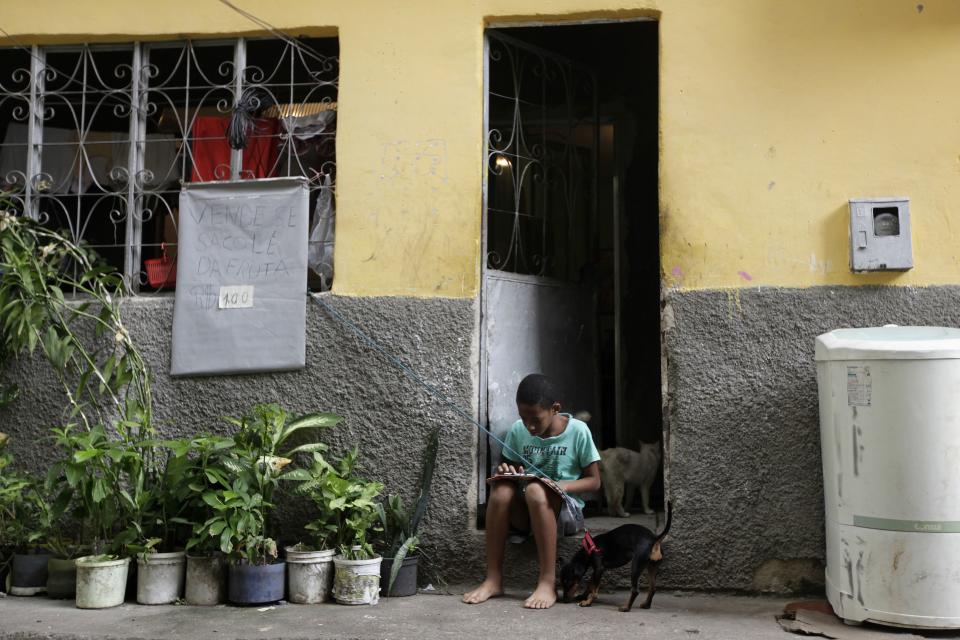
292 41
410 373
241 121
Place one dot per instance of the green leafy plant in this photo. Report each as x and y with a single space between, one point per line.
50 532
18 515
52 293
158 510
398 526
346 507
198 462
319 483
55 295
92 477
242 496
27 516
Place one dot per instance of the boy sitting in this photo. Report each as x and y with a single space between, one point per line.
562 448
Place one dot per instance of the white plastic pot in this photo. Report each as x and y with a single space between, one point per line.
206 580
161 577
309 575
356 581
101 583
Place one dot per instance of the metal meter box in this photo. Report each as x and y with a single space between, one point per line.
880 234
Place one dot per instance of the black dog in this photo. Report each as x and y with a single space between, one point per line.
630 542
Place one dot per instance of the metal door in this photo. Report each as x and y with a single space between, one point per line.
538 306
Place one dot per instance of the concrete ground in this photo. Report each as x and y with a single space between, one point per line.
427 616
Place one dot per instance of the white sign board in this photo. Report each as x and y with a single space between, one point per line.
240 302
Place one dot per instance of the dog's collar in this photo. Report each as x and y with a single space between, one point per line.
589 545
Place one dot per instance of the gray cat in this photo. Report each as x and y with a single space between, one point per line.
623 470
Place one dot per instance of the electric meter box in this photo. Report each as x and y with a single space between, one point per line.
890 445
880 235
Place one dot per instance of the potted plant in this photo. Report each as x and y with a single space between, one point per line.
62 572
164 500
30 526
398 572
61 566
399 536
106 481
199 463
91 474
105 381
20 528
158 532
7 514
356 577
241 504
310 567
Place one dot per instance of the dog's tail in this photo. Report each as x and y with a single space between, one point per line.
656 551
666 527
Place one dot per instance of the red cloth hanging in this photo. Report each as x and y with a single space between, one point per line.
211 151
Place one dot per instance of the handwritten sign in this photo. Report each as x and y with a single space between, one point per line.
236 297
240 302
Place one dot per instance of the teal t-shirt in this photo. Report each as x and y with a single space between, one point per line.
562 457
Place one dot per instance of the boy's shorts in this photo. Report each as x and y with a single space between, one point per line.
569 521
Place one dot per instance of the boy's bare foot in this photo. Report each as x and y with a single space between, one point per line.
543 598
484 592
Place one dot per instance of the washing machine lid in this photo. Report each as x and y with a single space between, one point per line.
889 342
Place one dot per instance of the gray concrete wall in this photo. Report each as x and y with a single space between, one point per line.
745 472
386 415
744 469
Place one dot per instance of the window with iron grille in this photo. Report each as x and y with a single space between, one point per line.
97 140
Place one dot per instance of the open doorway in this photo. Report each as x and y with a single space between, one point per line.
571 274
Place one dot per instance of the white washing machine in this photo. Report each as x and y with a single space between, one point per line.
890 438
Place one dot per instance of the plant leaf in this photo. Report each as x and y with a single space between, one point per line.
426 480
74 473
211 499
61 503
99 491
301 475
310 421
81 456
405 548
309 447
225 537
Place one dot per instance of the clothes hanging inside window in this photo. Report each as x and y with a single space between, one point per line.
320 247
211 150
101 158
59 161
160 159
310 141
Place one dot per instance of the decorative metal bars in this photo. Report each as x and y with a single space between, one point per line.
541 160
97 139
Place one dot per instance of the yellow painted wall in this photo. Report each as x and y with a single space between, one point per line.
773 114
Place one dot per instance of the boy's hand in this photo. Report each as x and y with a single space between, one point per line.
508 469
